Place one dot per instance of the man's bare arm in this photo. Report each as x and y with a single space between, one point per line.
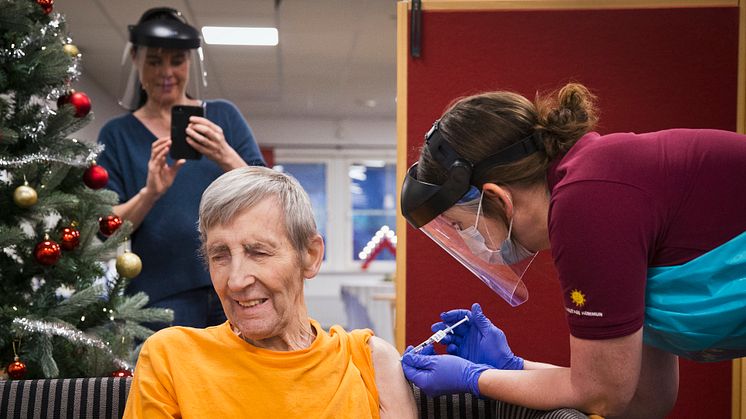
394 393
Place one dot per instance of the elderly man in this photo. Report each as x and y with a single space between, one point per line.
269 359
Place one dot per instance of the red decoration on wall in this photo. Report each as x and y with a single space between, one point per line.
268 153
385 243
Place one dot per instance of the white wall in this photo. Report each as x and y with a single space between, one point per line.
318 133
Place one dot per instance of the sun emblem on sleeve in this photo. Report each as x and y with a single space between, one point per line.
578 298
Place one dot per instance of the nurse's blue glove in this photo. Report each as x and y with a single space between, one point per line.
477 340
436 375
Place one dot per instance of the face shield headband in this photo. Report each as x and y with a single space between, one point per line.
451 214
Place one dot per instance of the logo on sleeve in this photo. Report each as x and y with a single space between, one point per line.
579 300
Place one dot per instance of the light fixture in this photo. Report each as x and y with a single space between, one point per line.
227 35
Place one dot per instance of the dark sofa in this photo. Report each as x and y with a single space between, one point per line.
105 397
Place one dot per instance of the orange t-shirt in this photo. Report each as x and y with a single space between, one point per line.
199 373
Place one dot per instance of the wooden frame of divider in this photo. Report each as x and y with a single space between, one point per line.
739 365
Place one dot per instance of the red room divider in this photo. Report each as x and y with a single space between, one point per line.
651 68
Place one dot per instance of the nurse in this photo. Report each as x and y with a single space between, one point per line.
647 231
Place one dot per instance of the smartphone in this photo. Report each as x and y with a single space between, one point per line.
180 149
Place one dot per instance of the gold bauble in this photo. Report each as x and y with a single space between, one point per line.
25 196
71 50
129 265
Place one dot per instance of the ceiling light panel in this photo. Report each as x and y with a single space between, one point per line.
227 35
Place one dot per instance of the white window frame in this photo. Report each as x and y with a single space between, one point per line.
339 235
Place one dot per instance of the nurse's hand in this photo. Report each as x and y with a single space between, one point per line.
477 340
436 375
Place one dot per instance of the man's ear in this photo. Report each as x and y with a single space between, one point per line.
312 257
502 194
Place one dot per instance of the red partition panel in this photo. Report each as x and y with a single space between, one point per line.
651 69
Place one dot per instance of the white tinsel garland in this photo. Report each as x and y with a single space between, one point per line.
78 161
73 335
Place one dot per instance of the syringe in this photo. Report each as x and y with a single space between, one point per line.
439 335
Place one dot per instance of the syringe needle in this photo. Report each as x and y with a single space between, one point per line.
438 336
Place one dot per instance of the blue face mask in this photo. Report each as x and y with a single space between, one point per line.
509 253
512 251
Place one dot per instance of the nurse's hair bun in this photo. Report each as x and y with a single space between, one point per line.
564 116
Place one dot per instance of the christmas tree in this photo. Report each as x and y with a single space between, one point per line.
62 313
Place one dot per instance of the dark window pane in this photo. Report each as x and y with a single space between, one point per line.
312 176
373 201
373 185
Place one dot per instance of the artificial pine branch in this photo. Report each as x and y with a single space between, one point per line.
138 331
46 351
9 235
78 302
63 123
14 16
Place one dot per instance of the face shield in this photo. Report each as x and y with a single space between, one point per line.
453 216
163 60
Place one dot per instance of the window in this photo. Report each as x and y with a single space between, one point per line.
312 176
354 200
373 196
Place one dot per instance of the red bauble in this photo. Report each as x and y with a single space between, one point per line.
46 5
17 369
95 177
47 252
109 224
79 100
122 373
69 238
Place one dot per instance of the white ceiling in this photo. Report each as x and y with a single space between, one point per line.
335 60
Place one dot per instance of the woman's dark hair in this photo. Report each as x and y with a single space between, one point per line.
481 125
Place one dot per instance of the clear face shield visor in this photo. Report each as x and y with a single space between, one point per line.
161 73
453 215
484 245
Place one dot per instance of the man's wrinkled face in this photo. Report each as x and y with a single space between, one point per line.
256 272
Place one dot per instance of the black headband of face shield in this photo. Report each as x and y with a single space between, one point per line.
164 27
421 202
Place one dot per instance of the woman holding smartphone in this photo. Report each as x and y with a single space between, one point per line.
158 195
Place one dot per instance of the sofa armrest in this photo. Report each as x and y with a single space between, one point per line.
100 397
467 406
